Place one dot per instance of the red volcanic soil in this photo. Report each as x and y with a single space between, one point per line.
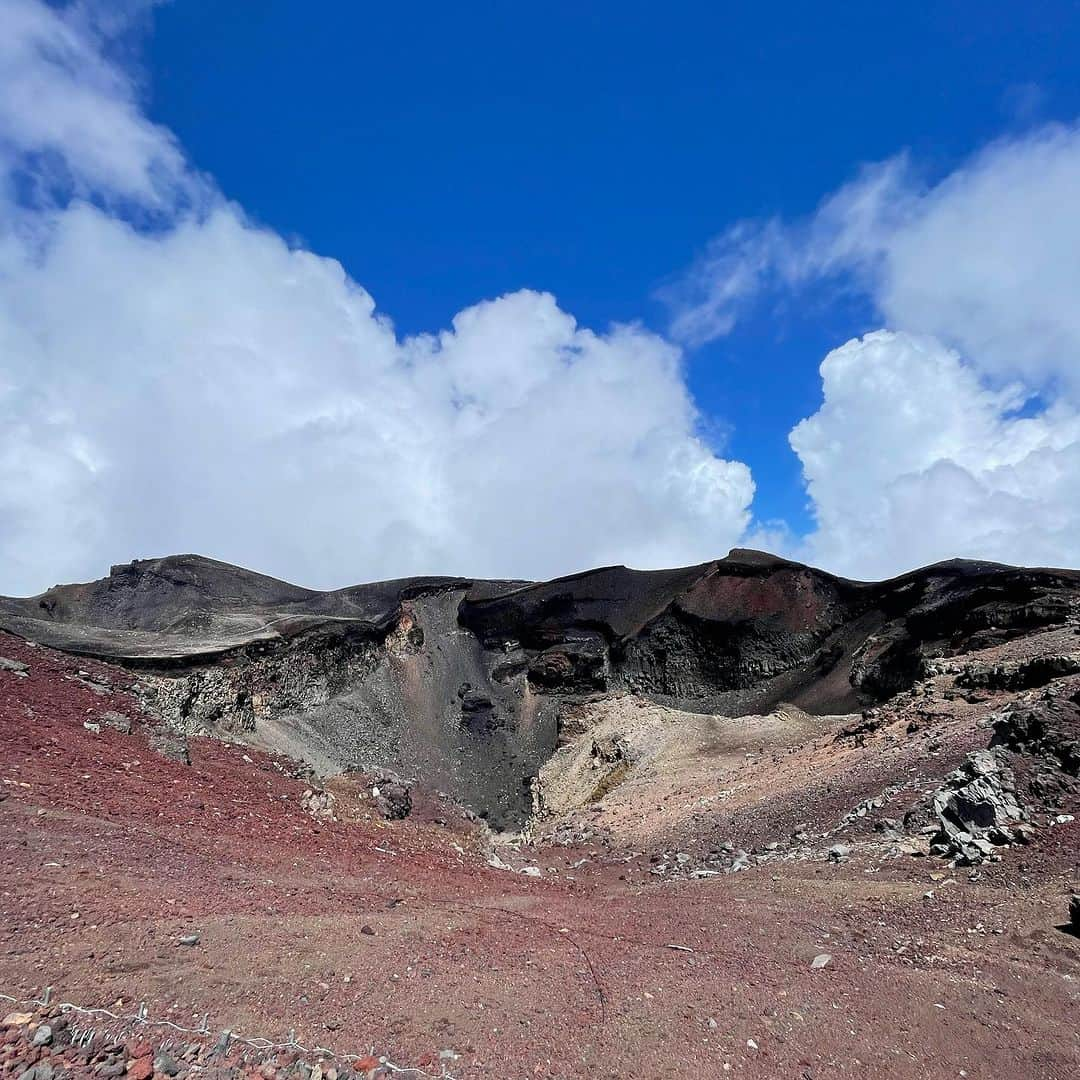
360 934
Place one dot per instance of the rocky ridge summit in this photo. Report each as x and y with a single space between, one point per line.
468 685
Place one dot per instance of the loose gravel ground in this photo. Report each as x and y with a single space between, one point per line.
129 879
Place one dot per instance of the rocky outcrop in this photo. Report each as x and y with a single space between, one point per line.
1047 729
170 744
977 810
319 804
1025 674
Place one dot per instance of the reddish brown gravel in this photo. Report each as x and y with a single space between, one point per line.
397 936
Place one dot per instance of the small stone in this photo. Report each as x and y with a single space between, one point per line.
838 853
17 1019
163 1063
821 960
532 871
117 721
365 929
916 846
42 1037
712 1024
189 939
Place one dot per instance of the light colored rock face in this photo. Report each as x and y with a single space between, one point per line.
621 751
948 769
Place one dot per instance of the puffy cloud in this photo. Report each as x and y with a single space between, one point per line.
200 385
912 459
989 261
957 433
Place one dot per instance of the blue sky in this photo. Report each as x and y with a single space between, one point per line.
446 153
509 291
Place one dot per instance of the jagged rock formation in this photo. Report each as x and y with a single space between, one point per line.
468 683
977 808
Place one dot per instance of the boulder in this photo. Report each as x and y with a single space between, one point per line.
976 809
170 744
393 799
117 721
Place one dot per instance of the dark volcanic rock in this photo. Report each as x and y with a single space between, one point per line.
394 800
170 744
374 674
187 605
574 665
977 807
1048 729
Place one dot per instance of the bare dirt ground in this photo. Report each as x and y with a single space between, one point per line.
362 934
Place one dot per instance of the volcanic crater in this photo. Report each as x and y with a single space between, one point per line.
744 817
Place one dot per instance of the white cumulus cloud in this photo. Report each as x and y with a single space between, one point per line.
912 459
954 431
198 384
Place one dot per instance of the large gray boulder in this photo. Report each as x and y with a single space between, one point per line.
976 809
